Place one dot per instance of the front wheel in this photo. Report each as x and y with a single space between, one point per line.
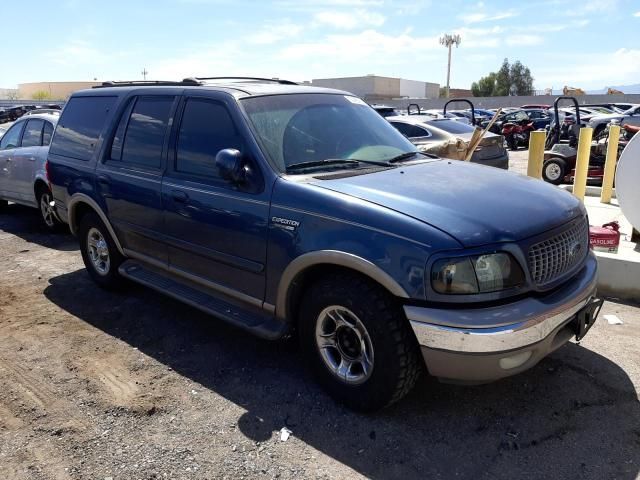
358 342
554 170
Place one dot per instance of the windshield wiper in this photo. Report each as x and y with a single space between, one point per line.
406 155
320 163
331 161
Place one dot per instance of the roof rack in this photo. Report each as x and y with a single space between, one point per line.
148 83
241 79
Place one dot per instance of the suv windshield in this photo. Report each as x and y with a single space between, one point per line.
313 128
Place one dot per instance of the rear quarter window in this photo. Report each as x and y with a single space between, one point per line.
80 126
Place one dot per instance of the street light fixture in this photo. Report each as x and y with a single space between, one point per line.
448 41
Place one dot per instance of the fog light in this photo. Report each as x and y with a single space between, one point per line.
514 361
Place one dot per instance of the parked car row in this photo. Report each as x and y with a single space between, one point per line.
296 211
10 114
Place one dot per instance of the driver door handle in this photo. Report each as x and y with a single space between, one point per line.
179 196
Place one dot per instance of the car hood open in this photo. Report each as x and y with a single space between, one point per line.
475 204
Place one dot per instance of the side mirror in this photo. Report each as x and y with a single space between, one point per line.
230 165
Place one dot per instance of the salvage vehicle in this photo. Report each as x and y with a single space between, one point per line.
517 133
561 148
296 211
449 139
629 117
23 171
519 117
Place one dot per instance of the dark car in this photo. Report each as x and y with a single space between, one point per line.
291 210
4 115
15 112
539 118
384 110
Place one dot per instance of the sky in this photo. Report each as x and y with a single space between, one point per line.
588 44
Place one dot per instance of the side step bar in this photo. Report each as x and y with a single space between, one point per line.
264 326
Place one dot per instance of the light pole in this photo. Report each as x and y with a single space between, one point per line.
144 73
448 41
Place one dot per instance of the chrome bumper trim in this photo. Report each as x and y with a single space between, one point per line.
504 327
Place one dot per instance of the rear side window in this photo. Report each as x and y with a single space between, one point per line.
410 131
80 126
140 135
206 129
32 136
46 133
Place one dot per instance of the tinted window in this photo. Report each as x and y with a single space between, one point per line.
46 133
206 129
80 126
410 131
11 139
32 136
145 132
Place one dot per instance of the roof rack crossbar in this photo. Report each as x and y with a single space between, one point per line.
254 79
150 83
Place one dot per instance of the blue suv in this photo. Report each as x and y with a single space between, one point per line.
289 210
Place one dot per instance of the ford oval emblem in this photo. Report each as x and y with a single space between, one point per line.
574 250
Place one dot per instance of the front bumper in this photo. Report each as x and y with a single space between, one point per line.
477 345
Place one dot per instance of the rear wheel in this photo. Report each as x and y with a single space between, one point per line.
554 170
358 342
99 252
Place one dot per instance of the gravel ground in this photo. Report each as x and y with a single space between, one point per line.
97 385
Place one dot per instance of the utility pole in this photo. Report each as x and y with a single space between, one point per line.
144 73
448 41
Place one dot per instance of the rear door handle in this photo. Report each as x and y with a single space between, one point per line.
179 196
32 159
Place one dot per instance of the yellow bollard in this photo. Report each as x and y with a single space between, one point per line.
610 164
536 153
582 162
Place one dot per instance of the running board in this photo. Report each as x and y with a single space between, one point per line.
264 326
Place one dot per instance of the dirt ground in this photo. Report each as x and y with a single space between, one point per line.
96 385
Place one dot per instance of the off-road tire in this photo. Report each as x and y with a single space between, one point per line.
111 280
560 164
397 360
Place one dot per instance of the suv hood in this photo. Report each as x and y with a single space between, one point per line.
474 203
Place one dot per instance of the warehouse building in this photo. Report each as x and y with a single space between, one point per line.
51 90
374 88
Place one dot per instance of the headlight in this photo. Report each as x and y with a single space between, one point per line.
477 274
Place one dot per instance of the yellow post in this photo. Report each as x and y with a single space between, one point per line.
582 162
536 153
610 164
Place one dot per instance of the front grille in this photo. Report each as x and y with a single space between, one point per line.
552 258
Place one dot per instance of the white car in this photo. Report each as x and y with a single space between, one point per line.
23 157
630 117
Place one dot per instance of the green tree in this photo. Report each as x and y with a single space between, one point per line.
513 79
41 95
503 80
485 86
521 79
